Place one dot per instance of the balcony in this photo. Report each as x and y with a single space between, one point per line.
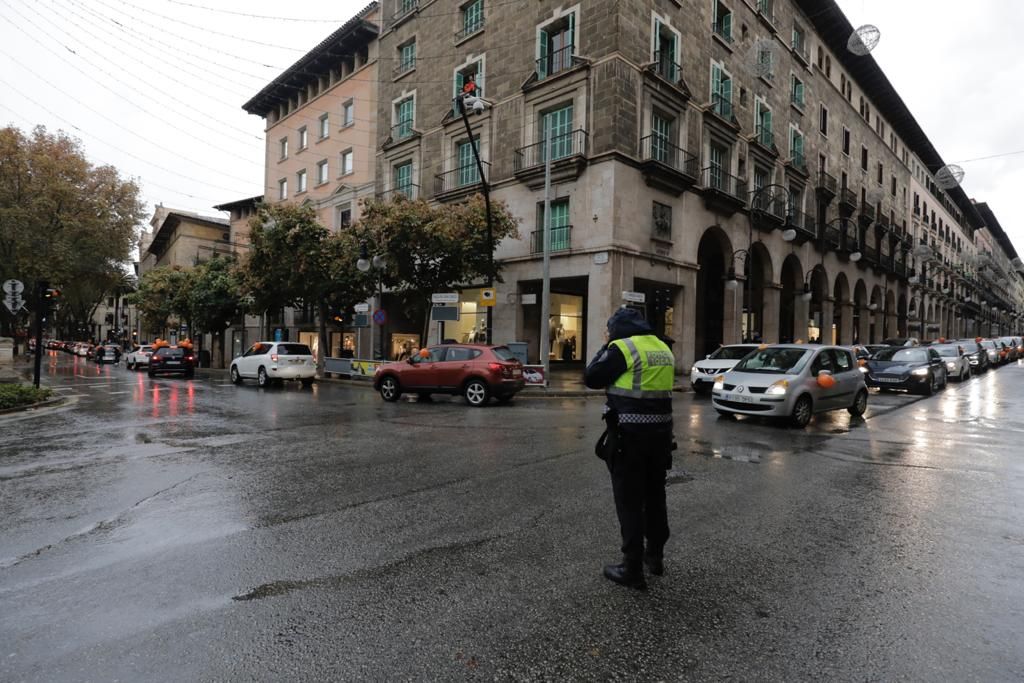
403 68
470 29
406 8
768 212
867 214
665 67
766 11
721 107
666 166
803 224
568 158
402 130
722 32
827 186
832 238
799 47
899 269
765 137
561 239
723 191
408 191
555 63
848 200
882 226
459 182
868 257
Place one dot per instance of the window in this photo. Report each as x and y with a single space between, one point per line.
721 91
722 25
893 186
559 224
282 189
403 179
321 172
348 116
325 126
300 181
863 158
766 68
666 51
828 67
346 162
406 58
344 215
796 91
881 172
718 158
468 173
472 18
799 43
796 146
471 73
823 120
284 148
556 45
661 138
763 123
558 125
846 141
405 113
303 138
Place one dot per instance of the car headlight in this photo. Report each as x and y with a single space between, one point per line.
920 372
951 365
778 388
719 382
863 369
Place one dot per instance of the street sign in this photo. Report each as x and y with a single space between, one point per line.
634 297
442 313
14 303
13 287
360 320
380 316
445 298
487 297
362 308
528 299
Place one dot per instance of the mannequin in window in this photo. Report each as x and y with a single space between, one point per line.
557 334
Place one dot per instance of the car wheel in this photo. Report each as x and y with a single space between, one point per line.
929 387
130 365
262 379
945 380
389 389
307 382
860 404
965 375
802 411
235 377
476 393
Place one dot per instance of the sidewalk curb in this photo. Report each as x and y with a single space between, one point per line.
48 403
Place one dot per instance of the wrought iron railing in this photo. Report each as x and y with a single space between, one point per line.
715 178
848 196
721 106
470 29
867 211
657 148
401 130
562 146
404 66
561 239
765 136
467 175
720 29
802 223
666 67
405 8
409 191
766 202
827 182
868 255
555 62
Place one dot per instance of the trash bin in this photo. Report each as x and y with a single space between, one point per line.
519 350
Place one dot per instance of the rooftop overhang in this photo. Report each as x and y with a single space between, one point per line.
248 202
992 223
163 234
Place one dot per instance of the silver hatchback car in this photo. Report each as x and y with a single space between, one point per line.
792 381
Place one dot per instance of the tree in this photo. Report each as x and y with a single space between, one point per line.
433 248
163 295
293 260
214 299
63 220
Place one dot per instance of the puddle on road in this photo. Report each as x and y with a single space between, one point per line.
750 452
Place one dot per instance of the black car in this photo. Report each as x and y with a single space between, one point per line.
172 359
976 355
916 369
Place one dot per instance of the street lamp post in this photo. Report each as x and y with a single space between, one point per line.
378 263
732 284
465 101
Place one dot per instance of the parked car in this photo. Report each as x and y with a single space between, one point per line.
703 372
918 370
107 353
958 363
793 381
172 360
992 349
864 351
274 362
977 357
901 341
83 349
139 358
476 372
1010 345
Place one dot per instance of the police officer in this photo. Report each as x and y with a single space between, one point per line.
637 369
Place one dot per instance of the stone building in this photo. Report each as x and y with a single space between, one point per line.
732 160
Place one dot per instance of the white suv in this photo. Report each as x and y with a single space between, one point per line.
274 362
139 358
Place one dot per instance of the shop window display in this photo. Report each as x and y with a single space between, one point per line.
471 327
404 346
566 328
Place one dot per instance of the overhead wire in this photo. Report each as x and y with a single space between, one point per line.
255 16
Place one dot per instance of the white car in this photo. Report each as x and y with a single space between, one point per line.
275 362
139 358
958 364
703 372
82 349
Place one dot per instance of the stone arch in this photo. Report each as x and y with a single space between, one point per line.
791 279
875 316
713 258
817 309
901 316
890 323
760 275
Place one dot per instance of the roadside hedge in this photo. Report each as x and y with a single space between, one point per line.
19 395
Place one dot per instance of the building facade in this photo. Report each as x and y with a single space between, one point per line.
730 160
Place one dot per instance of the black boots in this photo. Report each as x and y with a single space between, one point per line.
655 564
628 573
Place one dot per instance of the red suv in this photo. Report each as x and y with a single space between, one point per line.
476 372
168 359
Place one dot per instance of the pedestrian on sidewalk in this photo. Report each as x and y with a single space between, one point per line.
637 370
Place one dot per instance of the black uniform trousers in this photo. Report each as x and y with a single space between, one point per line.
638 483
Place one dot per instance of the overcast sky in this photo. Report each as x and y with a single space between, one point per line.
157 92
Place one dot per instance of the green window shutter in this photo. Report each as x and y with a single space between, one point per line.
716 80
572 33
542 67
727 25
468 172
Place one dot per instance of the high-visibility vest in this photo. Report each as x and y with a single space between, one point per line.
650 368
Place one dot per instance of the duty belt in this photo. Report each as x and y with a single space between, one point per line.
644 418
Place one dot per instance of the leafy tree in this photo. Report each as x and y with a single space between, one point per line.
163 295
214 299
293 260
433 248
63 220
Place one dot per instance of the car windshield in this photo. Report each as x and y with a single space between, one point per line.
171 353
946 350
782 361
732 352
988 344
293 350
900 355
145 348
969 347
503 353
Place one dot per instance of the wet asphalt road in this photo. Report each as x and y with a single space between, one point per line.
192 530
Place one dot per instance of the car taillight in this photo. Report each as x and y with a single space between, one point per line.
190 358
273 357
505 370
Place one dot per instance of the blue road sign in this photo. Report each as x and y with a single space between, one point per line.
380 316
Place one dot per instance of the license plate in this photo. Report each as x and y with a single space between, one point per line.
173 362
517 372
296 361
739 398
887 379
